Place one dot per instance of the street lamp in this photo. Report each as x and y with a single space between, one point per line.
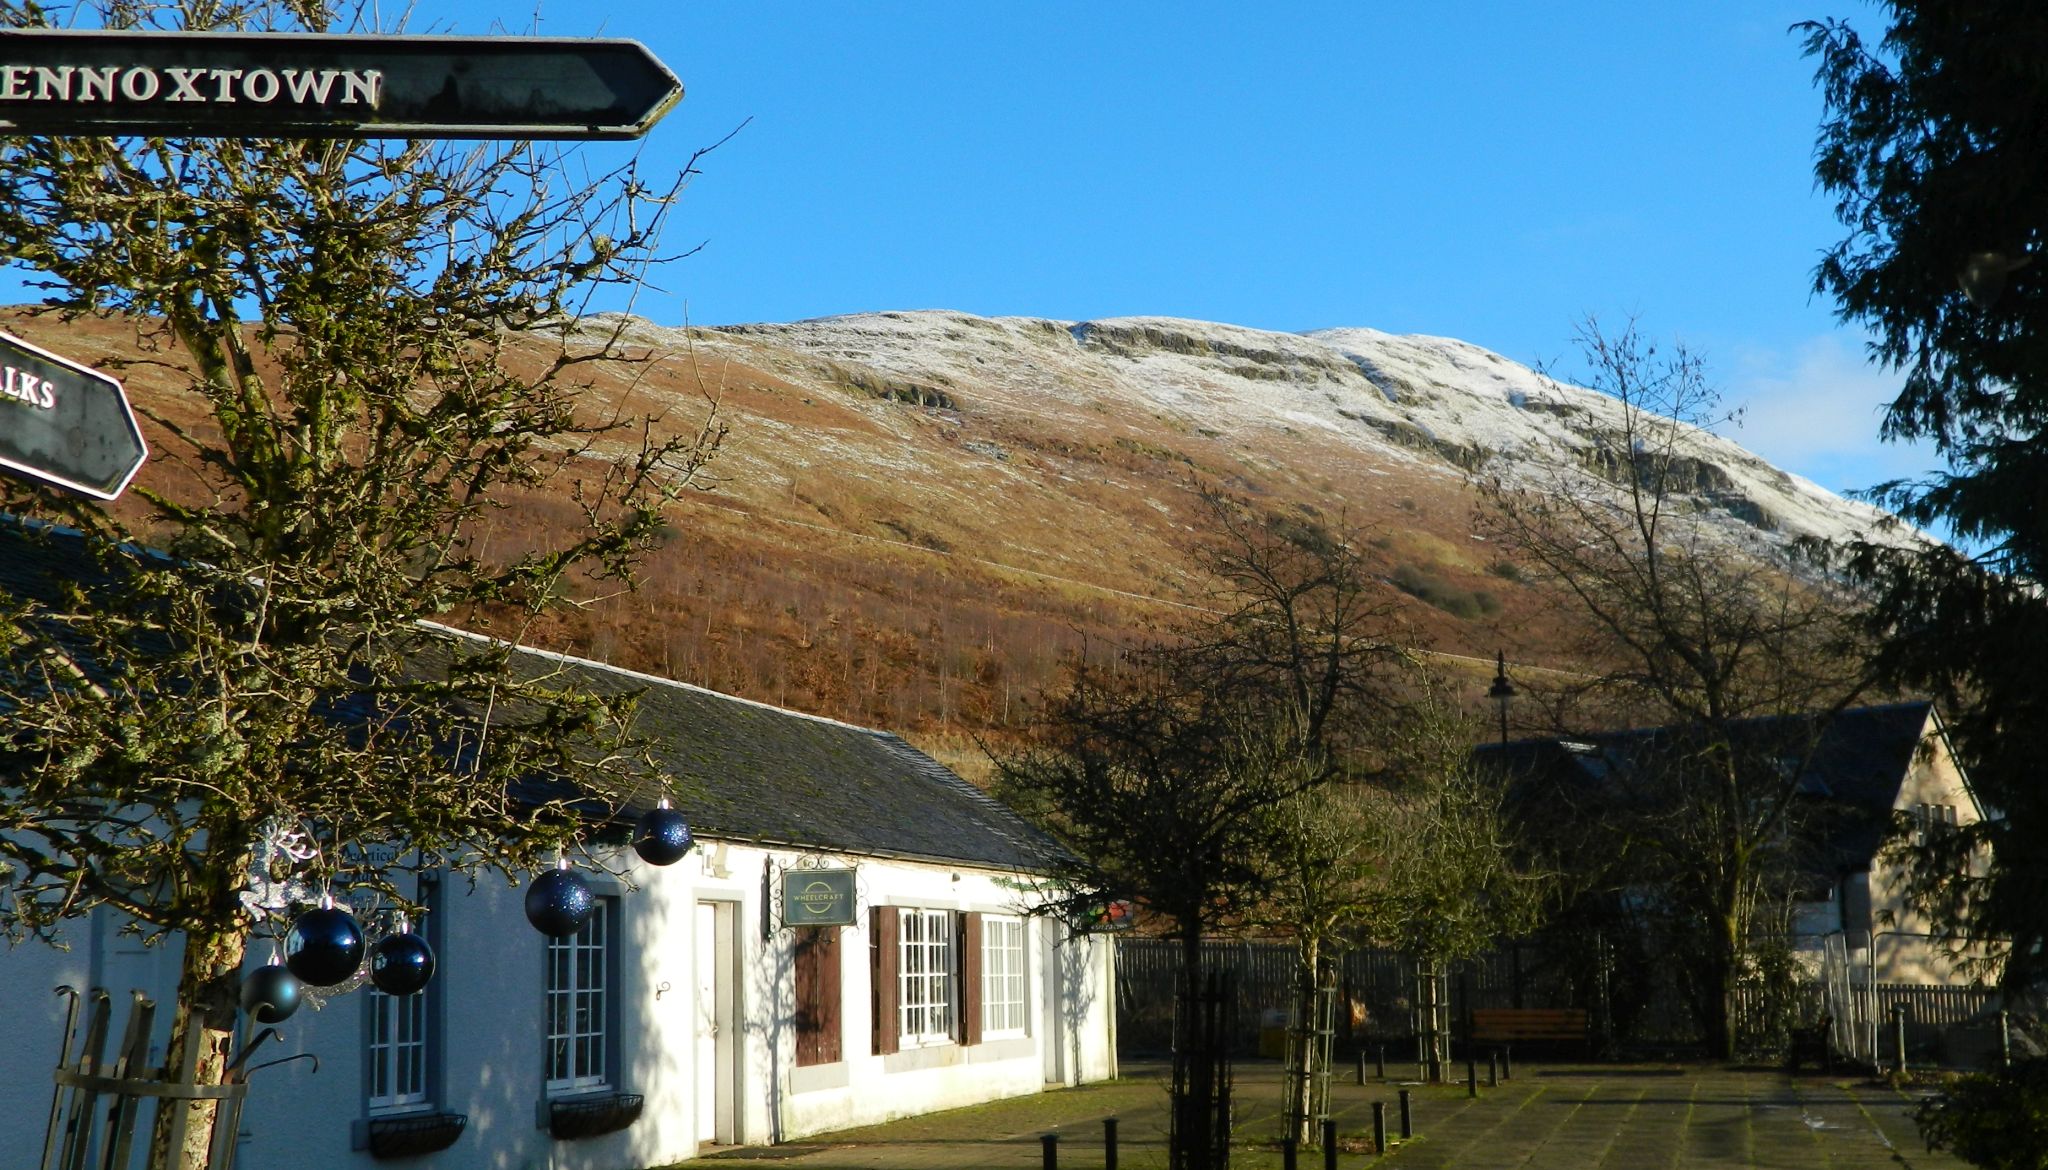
1501 692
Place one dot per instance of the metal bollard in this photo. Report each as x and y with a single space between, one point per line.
1507 1062
1379 1125
1493 1070
1288 1154
1109 1143
1050 1145
1329 1145
1899 1034
1382 1061
1471 1076
1361 1068
1407 1118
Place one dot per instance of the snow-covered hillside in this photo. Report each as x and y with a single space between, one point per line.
1438 404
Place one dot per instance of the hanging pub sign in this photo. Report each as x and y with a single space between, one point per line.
325 85
817 897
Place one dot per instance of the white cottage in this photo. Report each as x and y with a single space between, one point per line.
689 1013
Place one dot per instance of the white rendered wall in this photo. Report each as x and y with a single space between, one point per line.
864 1088
31 1022
1899 934
489 1003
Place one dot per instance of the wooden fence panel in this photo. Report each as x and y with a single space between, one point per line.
1376 991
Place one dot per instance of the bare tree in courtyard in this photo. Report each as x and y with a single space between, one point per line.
1325 872
1410 852
1165 769
1693 631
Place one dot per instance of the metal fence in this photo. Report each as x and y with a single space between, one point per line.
1377 989
1952 1027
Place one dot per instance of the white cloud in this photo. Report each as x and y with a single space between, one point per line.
1815 409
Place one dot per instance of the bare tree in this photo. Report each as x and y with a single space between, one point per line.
1166 771
1691 629
1449 883
1321 870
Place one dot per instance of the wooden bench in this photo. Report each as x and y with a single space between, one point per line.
1529 1025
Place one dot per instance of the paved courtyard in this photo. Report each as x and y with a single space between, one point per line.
1548 1117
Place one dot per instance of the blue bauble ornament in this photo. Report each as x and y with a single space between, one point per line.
324 946
662 836
559 902
270 994
401 964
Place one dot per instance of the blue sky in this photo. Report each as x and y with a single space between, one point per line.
1487 171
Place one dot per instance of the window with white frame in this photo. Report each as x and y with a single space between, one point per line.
579 1005
1002 977
398 1052
925 1004
397 1056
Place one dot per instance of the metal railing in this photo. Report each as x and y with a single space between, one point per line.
96 1106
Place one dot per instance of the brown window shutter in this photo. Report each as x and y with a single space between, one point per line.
805 997
883 959
817 995
970 978
831 1047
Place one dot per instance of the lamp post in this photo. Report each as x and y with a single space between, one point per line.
1502 691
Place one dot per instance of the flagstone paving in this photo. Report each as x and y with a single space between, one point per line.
1548 1117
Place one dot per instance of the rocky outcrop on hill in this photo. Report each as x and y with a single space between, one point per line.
1437 402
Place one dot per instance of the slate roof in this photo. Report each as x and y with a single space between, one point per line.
749 772
753 772
1854 771
36 557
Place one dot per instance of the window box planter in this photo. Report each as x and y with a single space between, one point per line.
581 1117
413 1133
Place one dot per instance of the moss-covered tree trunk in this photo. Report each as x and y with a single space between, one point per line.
1725 968
208 982
372 347
1304 1053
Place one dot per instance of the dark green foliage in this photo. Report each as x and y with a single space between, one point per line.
1997 1120
1933 146
1452 599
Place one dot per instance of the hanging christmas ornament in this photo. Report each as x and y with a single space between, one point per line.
662 836
559 902
270 994
324 946
401 963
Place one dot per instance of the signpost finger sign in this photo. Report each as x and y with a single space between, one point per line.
326 85
71 426
65 424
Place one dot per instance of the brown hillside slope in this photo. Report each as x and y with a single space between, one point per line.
916 515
